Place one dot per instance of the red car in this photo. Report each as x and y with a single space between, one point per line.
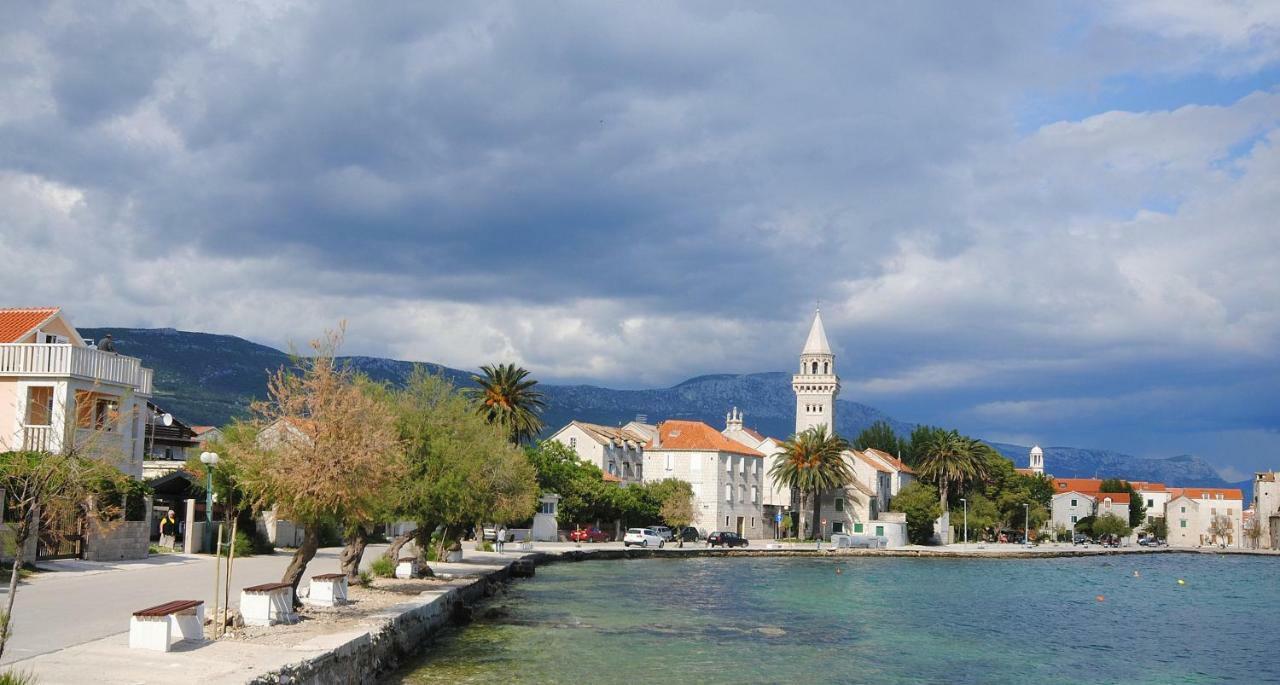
588 535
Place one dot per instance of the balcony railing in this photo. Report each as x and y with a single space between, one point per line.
33 359
37 438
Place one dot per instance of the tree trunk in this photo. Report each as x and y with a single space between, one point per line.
398 543
304 555
19 542
817 515
944 521
803 510
353 552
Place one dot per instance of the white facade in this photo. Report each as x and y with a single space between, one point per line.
58 393
727 477
1266 507
1067 508
777 497
1155 496
1191 512
816 385
618 452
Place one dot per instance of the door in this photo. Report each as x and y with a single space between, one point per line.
740 526
61 539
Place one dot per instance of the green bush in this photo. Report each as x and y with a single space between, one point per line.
329 535
383 567
244 546
366 579
17 678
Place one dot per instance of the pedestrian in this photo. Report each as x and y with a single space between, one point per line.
500 538
168 530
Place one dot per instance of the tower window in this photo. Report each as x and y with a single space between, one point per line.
815 368
826 368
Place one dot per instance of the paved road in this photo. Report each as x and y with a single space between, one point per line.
58 609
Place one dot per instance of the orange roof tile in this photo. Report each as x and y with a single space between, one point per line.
1117 497
1077 484
610 478
696 435
1148 487
1206 493
872 462
893 461
15 324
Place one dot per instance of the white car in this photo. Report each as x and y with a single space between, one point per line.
644 537
663 532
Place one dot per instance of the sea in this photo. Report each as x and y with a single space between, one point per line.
1139 618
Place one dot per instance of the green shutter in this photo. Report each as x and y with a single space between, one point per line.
857 527
880 530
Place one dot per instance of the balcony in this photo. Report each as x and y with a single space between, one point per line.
38 438
60 361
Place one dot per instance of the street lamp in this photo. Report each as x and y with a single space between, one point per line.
1026 524
966 522
209 459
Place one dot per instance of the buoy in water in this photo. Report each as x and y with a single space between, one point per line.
1100 598
1137 575
839 570
1182 582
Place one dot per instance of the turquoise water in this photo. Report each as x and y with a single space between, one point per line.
880 620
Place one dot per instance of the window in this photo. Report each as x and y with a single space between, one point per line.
728 464
626 470
1229 512
1184 510
1182 523
573 442
837 527
753 522
613 468
744 465
726 522
839 504
880 531
39 405
857 527
670 460
1073 503
742 493
728 497
1150 502
755 495
98 412
1073 519
547 508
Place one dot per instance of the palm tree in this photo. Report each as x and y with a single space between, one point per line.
948 459
506 398
812 461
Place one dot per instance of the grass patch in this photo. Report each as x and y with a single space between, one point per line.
382 567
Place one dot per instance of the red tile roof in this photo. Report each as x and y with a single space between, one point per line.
1077 484
1212 493
15 324
1117 497
1148 487
696 435
893 461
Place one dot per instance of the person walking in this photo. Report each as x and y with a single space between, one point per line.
168 530
499 539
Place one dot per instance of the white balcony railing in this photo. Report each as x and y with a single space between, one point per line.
33 359
37 438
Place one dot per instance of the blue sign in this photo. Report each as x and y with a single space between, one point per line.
778 518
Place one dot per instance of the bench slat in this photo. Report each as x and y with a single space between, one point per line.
167 608
328 576
267 587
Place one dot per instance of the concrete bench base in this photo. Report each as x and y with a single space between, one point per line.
328 590
267 608
156 632
407 567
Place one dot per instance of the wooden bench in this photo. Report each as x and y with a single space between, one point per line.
328 589
153 628
407 567
267 604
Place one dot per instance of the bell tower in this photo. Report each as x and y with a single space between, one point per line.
817 384
1037 461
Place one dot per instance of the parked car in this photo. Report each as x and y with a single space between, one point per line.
643 537
592 534
663 532
1080 539
726 539
689 534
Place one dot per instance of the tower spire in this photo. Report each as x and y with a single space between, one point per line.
817 341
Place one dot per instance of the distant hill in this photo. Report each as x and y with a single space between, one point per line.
208 379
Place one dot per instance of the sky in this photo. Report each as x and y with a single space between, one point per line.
1034 222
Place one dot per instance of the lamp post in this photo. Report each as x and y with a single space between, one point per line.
209 459
1026 524
966 523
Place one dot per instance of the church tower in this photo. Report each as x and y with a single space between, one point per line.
1037 460
817 385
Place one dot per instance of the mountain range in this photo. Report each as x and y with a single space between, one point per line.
209 379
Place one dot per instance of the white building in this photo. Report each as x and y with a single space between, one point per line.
1266 507
57 392
1067 508
1191 511
619 452
727 477
777 497
1155 496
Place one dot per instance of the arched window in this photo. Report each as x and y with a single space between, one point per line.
826 367
815 368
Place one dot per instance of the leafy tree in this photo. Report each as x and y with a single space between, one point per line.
984 517
677 507
41 492
461 469
950 460
919 501
506 397
913 447
812 461
1137 508
333 450
1085 525
879 435
1110 524
584 494
1253 531
1158 527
